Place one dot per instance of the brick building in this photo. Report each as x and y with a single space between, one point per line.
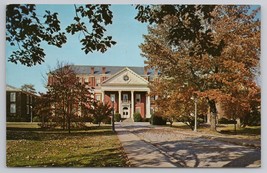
127 86
19 104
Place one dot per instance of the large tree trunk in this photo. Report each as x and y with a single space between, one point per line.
213 115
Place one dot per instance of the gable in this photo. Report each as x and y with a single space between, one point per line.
125 77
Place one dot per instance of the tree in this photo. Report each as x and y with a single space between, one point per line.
43 109
100 111
26 31
70 97
215 76
189 26
28 88
175 104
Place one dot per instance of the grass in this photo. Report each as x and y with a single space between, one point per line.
250 132
32 147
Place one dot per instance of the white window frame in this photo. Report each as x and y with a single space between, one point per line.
98 81
98 97
127 97
13 97
12 108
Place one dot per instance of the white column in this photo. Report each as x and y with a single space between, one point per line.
132 103
103 97
119 101
148 115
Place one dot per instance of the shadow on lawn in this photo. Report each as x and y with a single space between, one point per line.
100 158
55 134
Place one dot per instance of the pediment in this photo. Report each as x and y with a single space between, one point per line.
125 77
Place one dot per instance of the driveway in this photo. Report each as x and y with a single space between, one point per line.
183 149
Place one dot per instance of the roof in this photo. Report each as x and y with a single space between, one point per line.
12 88
83 69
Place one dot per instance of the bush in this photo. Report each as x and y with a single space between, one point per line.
117 117
107 120
190 121
226 121
36 119
146 119
137 117
95 121
157 120
88 118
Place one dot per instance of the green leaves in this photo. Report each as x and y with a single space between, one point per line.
25 31
94 38
190 25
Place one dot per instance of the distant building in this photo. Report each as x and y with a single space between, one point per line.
19 104
127 86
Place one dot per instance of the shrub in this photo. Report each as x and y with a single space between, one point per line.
146 119
36 119
137 117
107 120
190 121
95 121
117 117
226 121
157 120
88 118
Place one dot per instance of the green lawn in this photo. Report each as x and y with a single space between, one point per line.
32 147
253 132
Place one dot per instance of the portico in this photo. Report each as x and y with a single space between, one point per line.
128 102
130 93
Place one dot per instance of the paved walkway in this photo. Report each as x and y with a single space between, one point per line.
148 146
141 153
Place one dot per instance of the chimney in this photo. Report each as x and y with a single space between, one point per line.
103 70
92 70
145 70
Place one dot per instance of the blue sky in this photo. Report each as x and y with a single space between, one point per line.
125 30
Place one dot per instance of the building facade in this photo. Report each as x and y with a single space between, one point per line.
127 87
19 104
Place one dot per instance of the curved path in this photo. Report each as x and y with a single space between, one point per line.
148 146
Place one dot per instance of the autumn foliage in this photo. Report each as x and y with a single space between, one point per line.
226 77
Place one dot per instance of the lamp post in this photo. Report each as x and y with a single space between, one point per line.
112 118
195 102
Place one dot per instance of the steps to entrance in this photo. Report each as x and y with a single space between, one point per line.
128 120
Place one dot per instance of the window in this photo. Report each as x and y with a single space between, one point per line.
125 77
125 97
97 97
13 108
12 97
86 81
28 98
112 97
138 98
97 82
